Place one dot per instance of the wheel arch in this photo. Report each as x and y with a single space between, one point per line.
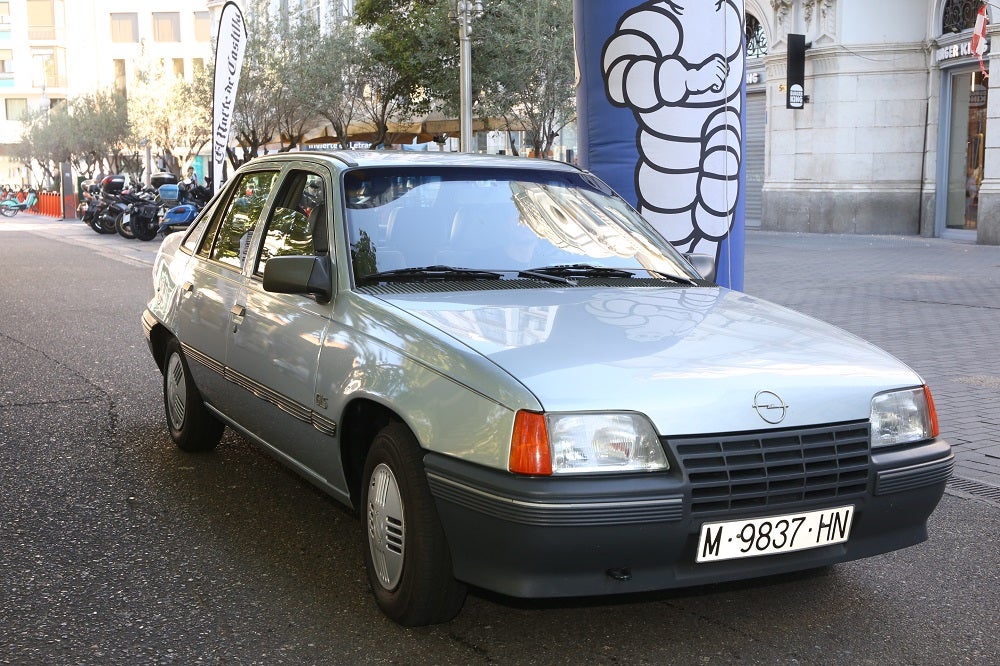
362 419
159 336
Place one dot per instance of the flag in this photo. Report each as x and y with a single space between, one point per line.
978 43
230 46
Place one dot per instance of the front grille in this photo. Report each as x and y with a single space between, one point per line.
751 471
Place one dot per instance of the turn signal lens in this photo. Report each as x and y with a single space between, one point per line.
529 445
932 411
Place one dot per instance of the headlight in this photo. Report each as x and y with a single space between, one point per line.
584 443
901 417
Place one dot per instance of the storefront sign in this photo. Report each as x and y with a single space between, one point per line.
959 50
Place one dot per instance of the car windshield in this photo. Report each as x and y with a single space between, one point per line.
426 223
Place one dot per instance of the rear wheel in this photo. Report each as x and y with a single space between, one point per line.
406 554
192 426
123 225
106 223
144 228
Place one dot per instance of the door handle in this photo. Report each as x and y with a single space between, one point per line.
238 311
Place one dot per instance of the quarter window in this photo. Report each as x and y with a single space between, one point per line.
234 228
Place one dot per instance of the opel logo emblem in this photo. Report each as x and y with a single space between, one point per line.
770 407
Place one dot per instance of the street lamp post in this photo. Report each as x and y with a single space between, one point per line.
462 13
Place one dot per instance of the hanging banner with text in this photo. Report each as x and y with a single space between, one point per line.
229 50
660 112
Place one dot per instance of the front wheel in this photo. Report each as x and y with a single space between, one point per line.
9 211
192 427
406 554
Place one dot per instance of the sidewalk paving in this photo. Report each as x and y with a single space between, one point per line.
933 303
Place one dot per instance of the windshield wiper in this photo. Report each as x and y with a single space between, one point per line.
428 273
675 278
592 271
548 277
581 270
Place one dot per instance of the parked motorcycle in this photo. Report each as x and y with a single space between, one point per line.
190 198
136 214
97 213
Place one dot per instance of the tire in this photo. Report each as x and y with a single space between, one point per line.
105 223
192 427
124 226
9 211
406 553
144 230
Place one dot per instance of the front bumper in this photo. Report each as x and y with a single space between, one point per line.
581 536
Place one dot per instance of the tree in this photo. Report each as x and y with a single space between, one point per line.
385 97
522 51
171 113
337 77
255 118
295 104
102 128
47 139
91 131
415 40
535 88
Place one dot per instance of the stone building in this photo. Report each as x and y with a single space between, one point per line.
899 133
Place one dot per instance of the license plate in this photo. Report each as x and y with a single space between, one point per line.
777 534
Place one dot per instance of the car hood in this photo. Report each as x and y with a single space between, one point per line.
694 360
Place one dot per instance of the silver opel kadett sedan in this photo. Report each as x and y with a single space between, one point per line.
521 386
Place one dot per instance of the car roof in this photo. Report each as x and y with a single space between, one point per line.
389 158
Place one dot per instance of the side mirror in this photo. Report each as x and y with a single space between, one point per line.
300 275
704 264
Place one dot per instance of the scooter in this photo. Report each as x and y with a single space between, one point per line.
11 207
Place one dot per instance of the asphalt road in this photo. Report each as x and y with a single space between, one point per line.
119 549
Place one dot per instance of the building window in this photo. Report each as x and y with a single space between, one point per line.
48 67
166 27
960 15
120 75
41 19
125 28
6 63
197 64
4 13
179 68
756 38
16 107
202 27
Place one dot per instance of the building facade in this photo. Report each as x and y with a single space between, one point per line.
900 133
54 50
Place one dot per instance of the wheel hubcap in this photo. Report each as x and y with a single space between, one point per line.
386 533
176 391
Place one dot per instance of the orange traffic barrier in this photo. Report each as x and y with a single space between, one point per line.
49 203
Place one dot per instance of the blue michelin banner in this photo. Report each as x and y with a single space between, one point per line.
660 106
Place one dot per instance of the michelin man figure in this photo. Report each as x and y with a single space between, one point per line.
678 65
